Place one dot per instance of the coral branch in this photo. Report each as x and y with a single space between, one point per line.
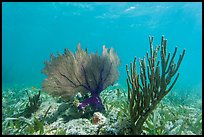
144 95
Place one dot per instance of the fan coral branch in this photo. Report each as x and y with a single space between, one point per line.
71 73
145 94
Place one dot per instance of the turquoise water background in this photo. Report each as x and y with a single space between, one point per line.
31 31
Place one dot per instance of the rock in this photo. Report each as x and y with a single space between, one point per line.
44 107
53 127
106 130
80 126
98 119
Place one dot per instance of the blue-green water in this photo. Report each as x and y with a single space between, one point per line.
31 31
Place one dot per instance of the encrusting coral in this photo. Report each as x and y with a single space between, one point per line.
146 90
69 74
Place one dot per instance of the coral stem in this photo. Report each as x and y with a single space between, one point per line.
93 100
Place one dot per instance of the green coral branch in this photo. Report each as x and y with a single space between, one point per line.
147 88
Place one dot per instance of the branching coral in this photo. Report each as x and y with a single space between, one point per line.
154 84
82 72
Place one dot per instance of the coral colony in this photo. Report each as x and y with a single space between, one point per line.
145 95
69 74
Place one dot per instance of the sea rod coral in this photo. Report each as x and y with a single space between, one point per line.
69 74
147 89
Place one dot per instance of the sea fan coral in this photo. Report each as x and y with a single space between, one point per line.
69 74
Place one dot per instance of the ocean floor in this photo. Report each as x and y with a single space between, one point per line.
47 115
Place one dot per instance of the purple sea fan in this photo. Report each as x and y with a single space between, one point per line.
69 74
